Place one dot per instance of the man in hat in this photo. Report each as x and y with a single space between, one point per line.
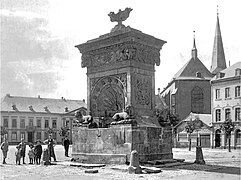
51 143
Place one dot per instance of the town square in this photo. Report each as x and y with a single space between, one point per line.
83 100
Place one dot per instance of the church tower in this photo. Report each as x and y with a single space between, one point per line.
218 57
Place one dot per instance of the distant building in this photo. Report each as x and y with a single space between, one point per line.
190 89
226 104
204 133
30 118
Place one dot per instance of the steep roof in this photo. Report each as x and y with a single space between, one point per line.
42 105
190 69
218 56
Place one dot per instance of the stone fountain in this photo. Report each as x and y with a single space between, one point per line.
120 73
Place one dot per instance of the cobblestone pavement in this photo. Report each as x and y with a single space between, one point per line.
220 164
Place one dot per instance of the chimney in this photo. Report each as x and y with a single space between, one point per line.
8 95
39 96
84 100
159 91
66 109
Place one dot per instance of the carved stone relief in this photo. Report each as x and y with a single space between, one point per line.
121 52
143 87
107 94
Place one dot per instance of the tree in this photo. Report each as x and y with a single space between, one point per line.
64 131
228 126
191 126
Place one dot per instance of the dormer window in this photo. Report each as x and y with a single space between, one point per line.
238 72
46 108
14 107
220 75
30 108
66 109
198 74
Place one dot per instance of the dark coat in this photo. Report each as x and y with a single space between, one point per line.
38 150
66 142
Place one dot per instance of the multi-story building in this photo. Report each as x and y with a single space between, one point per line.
226 104
30 118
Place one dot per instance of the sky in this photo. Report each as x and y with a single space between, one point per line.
38 56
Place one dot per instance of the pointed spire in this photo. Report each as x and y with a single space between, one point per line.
218 56
194 49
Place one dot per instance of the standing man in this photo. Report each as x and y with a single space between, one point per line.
4 148
22 146
51 143
66 145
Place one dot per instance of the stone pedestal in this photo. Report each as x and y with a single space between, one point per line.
199 156
120 72
114 144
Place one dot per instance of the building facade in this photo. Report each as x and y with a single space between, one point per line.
190 89
226 104
31 118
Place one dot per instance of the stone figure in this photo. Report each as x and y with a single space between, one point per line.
126 114
86 121
120 16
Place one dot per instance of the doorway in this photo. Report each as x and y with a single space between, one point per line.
30 137
217 138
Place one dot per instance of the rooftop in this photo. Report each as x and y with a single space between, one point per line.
38 104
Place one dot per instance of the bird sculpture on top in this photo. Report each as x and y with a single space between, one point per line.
119 17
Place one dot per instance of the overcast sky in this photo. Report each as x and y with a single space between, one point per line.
38 56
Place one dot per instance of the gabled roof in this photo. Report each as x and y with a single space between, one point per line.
41 105
218 57
190 69
205 118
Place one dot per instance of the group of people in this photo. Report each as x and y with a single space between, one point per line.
35 151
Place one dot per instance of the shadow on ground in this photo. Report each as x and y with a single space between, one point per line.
209 168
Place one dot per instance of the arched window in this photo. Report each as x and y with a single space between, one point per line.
197 105
238 137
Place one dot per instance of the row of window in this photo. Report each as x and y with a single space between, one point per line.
30 123
227 92
228 114
14 135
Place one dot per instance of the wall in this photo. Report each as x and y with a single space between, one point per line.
184 96
115 144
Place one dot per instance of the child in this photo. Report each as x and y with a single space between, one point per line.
38 152
18 155
22 146
4 148
31 153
